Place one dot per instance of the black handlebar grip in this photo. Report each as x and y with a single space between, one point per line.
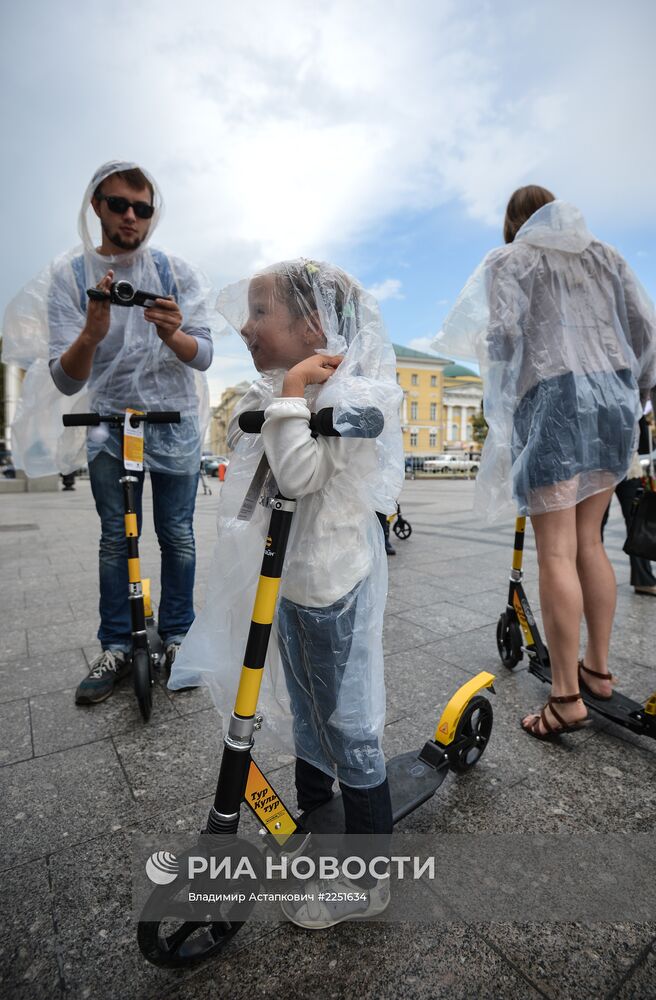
81 419
250 421
163 417
365 422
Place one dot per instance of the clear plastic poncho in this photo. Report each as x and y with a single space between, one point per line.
566 341
323 694
132 367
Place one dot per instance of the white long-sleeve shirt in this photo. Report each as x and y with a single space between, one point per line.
331 548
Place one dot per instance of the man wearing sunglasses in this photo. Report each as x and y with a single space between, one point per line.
107 358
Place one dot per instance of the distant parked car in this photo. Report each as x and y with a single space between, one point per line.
211 464
451 463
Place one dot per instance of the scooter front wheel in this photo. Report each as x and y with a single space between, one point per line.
472 735
176 945
143 682
509 640
402 529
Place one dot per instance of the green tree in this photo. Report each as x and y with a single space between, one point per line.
479 426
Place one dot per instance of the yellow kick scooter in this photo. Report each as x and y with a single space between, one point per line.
518 633
459 741
146 643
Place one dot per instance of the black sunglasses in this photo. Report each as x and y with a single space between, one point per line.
142 209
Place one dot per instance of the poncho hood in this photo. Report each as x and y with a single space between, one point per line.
556 226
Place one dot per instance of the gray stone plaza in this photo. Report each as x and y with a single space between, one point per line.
79 782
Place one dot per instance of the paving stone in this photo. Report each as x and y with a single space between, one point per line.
174 762
63 798
14 644
55 638
445 618
400 962
572 960
599 779
15 732
28 961
640 983
92 904
34 675
58 723
400 635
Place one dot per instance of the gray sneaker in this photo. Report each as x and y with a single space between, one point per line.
332 901
107 669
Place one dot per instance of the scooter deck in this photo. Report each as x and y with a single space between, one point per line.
619 709
411 782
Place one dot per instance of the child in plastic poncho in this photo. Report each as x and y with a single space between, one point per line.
566 340
318 339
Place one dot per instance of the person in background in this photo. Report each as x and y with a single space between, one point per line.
566 338
643 580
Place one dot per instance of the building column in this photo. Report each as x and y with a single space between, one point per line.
449 422
463 423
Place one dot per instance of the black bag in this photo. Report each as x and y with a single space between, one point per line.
641 536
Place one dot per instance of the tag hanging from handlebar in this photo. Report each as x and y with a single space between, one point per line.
133 443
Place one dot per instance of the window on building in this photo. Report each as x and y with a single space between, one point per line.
414 379
433 379
432 439
413 411
433 411
414 439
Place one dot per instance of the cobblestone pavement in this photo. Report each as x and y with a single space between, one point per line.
78 782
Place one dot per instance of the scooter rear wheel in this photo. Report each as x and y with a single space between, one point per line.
143 682
509 640
472 735
402 528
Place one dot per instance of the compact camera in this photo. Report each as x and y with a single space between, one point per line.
123 293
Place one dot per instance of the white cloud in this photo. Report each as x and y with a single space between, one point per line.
423 344
287 128
388 289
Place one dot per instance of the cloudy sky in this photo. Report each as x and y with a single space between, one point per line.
383 135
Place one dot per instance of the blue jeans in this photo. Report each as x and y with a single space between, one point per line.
315 645
174 499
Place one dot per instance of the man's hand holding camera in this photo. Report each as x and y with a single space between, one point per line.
98 314
166 315
163 312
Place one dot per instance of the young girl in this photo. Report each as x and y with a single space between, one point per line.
318 340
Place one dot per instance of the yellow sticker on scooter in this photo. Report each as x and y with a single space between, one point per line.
528 635
267 805
133 443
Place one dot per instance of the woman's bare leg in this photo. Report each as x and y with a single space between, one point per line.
561 601
598 586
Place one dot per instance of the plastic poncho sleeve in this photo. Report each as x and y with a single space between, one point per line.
641 323
66 317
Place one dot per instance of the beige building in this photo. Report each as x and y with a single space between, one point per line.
220 417
439 401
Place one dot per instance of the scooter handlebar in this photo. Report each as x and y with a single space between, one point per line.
363 422
94 419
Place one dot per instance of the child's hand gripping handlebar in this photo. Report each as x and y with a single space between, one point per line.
360 422
118 419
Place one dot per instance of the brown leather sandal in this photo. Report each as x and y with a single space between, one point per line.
594 673
532 728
